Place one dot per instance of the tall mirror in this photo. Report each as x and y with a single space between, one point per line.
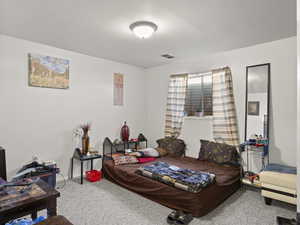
257 102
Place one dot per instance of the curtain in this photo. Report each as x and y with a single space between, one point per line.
175 105
225 125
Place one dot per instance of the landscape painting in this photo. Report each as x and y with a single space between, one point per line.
48 72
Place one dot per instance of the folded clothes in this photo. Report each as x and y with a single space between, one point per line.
149 152
25 221
185 179
146 159
145 153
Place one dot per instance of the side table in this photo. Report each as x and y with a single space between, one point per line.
80 157
29 205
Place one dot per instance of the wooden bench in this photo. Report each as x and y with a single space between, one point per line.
279 185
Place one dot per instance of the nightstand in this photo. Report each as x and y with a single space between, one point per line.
82 158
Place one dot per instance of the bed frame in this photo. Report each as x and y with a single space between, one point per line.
204 204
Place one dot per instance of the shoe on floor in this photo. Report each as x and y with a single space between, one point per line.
172 217
285 221
184 219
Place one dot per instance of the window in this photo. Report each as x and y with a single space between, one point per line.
199 95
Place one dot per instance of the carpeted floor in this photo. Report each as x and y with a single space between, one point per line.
108 204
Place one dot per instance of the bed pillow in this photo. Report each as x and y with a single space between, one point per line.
116 154
124 159
149 152
219 153
174 146
162 152
136 154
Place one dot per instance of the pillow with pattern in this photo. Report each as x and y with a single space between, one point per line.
174 146
219 153
124 159
162 152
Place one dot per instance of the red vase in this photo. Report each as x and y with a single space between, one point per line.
125 132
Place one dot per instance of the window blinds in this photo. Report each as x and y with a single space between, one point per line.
199 95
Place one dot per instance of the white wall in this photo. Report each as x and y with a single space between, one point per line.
192 127
298 105
282 56
39 121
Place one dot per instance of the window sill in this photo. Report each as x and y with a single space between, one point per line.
198 117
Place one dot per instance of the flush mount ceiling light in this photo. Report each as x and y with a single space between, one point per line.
143 29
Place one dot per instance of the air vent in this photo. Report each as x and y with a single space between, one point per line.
168 56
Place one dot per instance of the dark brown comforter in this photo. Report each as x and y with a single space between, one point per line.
199 204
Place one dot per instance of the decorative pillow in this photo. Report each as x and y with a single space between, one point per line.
218 153
124 159
117 154
149 152
162 152
174 146
136 154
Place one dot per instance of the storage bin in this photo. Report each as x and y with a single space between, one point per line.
93 175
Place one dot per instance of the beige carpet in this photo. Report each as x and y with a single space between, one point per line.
108 204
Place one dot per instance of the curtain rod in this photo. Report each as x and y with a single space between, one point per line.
203 72
224 68
179 75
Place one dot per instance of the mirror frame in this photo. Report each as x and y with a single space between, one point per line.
269 97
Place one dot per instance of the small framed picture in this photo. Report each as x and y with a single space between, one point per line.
118 89
253 108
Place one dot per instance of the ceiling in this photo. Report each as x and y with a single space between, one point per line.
186 29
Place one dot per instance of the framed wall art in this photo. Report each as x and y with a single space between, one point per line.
253 108
48 72
118 89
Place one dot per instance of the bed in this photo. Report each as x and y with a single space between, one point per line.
227 182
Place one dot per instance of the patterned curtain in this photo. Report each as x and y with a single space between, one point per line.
175 105
225 125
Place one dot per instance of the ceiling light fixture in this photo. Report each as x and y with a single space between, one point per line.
143 29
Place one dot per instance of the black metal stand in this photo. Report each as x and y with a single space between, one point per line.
110 148
77 155
251 148
248 173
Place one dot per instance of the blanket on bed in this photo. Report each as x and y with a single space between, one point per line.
185 179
